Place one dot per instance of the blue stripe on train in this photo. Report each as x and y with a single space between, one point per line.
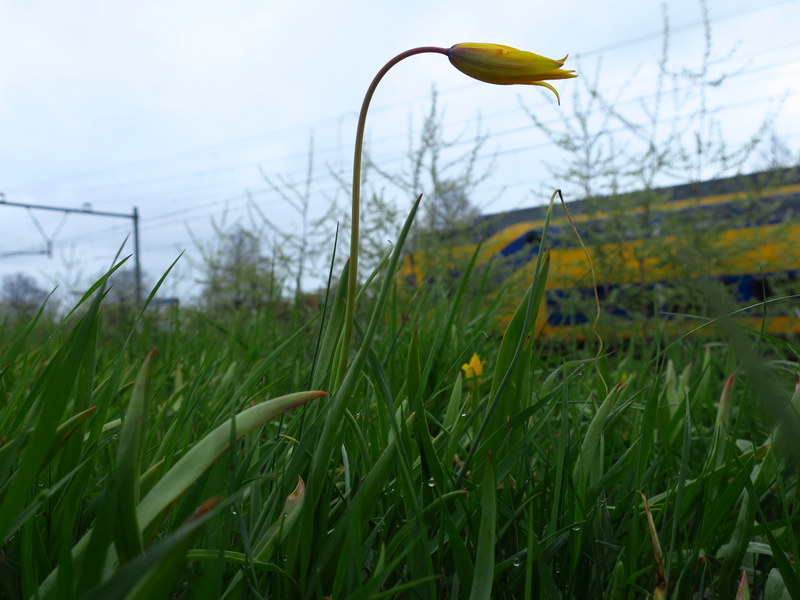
745 288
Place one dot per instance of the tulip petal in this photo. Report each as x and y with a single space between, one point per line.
504 65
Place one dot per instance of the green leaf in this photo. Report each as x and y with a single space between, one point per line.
276 533
483 576
49 399
323 368
127 534
589 469
203 454
151 575
413 370
190 467
776 589
62 434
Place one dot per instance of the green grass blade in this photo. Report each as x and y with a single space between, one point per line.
203 454
51 397
292 508
332 333
149 576
128 535
588 469
483 577
788 571
62 434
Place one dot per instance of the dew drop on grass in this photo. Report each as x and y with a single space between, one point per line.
463 414
431 482
576 528
516 562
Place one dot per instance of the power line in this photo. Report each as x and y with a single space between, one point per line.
134 216
198 211
182 215
326 121
723 15
760 70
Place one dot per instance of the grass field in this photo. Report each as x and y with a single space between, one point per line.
193 455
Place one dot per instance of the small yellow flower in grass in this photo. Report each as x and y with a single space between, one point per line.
504 65
473 370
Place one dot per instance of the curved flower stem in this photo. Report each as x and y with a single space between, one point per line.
356 207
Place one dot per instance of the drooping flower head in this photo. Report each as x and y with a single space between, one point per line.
491 63
504 65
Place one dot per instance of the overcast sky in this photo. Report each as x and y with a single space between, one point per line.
177 107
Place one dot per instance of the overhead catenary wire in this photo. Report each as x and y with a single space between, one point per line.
85 210
208 196
213 202
303 128
761 70
204 197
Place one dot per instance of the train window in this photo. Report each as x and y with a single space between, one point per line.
517 245
776 285
762 290
532 237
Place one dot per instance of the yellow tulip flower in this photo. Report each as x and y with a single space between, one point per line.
491 63
473 370
504 65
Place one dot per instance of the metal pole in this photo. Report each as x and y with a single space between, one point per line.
86 211
137 263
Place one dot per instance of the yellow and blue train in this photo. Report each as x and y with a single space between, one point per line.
658 256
